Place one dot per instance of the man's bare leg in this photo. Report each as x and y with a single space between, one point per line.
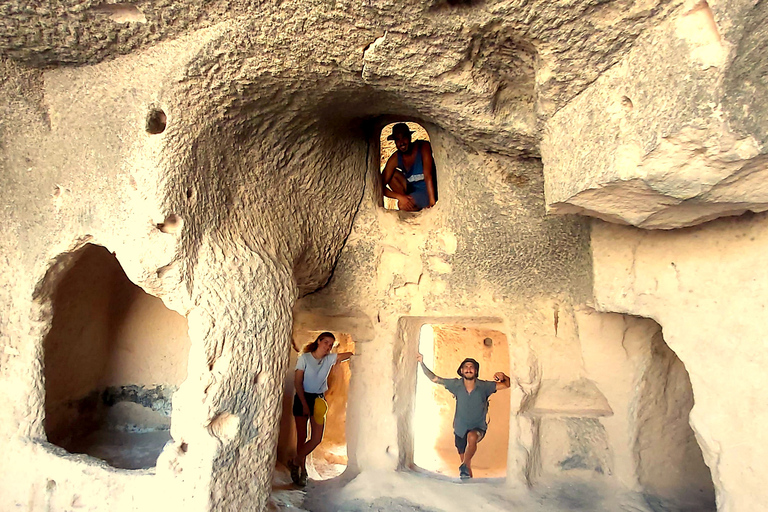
466 459
398 183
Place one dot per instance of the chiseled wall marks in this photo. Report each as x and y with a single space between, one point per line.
670 466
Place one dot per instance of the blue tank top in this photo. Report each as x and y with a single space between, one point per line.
416 173
417 187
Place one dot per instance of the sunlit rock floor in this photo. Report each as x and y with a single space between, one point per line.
414 491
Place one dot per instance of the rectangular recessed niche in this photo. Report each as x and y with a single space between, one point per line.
113 357
444 346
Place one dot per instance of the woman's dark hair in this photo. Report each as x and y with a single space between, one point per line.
312 346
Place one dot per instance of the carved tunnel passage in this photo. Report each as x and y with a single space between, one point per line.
268 148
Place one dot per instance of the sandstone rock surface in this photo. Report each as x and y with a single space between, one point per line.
706 287
227 155
669 137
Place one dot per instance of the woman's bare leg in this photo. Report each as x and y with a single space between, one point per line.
301 436
314 440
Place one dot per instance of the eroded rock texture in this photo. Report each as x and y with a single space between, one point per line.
711 311
672 472
226 153
669 136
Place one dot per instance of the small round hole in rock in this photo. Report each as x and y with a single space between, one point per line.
156 120
626 103
172 224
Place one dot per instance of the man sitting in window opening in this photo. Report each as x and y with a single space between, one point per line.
471 394
409 172
309 405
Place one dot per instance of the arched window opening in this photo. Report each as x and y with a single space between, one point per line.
408 174
113 358
444 347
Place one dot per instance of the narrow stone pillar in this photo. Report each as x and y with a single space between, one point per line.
227 414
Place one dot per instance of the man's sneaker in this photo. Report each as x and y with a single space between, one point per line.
464 472
295 473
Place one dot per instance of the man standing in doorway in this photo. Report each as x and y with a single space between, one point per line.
471 393
409 172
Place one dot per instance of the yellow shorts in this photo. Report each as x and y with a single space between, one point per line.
321 408
318 407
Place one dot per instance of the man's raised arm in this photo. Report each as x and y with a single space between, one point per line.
503 381
430 375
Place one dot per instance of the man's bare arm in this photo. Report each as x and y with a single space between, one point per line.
430 375
386 177
503 381
428 165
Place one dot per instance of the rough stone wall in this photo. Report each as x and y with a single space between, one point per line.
670 136
109 182
244 202
672 473
87 32
706 287
617 353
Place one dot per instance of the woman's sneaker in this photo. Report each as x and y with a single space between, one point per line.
303 478
464 472
296 473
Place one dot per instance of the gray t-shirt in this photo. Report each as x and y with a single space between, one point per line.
315 372
471 408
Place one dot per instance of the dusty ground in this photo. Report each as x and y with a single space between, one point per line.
412 491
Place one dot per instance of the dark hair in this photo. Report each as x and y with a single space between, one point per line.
312 346
474 363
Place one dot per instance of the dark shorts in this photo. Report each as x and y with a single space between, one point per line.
419 196
461 442
298 410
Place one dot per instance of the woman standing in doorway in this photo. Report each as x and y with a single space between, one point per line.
311 381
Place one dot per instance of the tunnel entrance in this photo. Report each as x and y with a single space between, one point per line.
444 346
670 465
388 148
329 459
113 358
